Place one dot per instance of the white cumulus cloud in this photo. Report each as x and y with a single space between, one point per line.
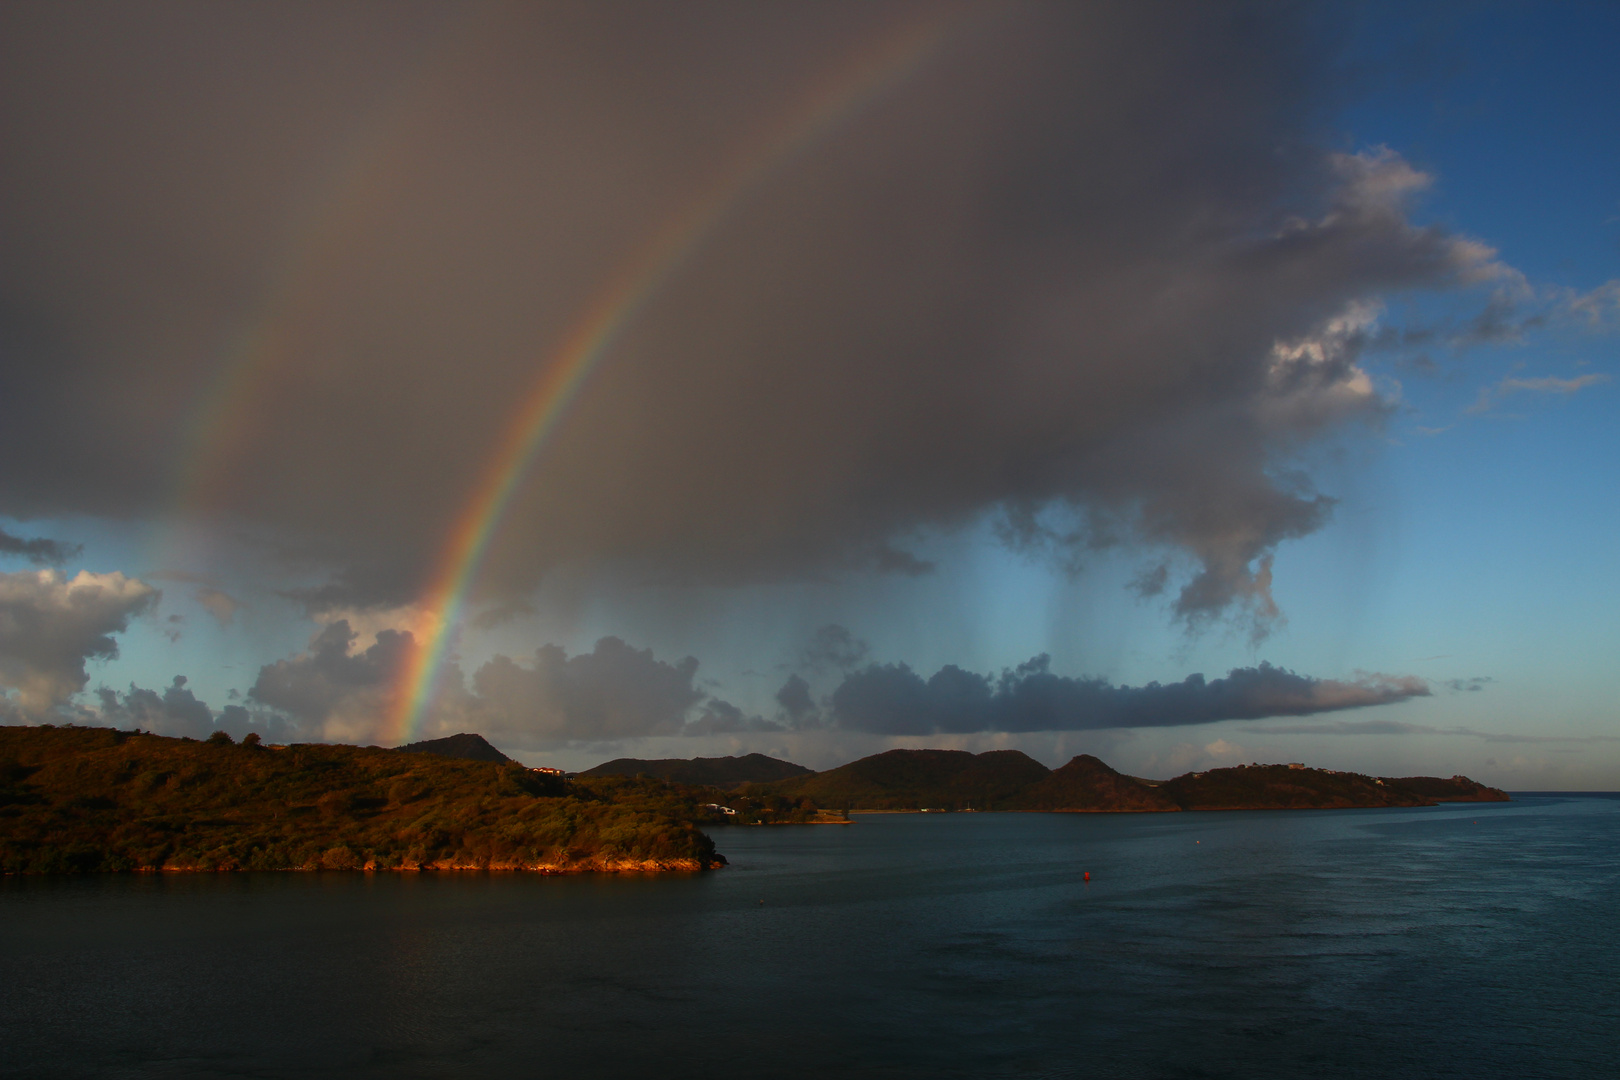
51 626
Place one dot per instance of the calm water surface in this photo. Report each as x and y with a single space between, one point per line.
1467 941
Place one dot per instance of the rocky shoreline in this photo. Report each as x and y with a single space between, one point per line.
591 866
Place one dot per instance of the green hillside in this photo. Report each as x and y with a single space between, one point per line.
1086 783
82 799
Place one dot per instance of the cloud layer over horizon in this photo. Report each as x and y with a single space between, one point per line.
336 690
892 699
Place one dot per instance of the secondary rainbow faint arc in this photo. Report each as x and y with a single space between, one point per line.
594 333
219 420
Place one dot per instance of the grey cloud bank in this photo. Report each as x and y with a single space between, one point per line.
1083 262
178 711
617 692
335 689
894 700
327 684
50 628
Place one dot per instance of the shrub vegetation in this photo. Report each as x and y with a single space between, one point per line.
93 799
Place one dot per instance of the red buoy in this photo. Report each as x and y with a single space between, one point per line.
1087 875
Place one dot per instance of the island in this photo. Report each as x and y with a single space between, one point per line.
92 799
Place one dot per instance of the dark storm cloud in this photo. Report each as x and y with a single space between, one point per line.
720 717
892 699
795 699
39 550
1085 261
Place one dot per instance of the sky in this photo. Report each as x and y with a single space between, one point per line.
1183 384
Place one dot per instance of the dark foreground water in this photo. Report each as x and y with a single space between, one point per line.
1469 941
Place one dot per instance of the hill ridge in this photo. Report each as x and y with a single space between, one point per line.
464 745
1011 780
716 771
921 779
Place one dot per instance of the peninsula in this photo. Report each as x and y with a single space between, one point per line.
95 799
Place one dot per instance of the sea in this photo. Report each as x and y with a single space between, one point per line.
1467 940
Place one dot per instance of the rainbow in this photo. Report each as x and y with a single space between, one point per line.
830 104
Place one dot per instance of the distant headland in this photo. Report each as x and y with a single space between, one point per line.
1011 780
88 799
